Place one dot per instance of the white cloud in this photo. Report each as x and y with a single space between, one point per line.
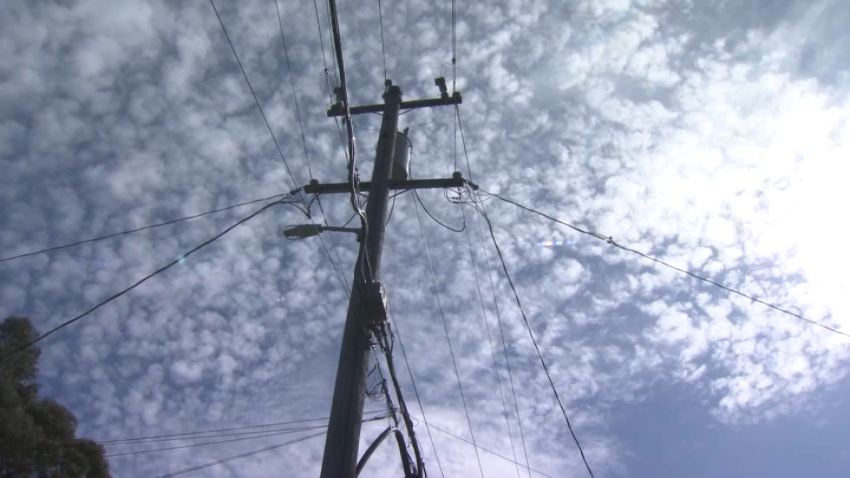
712 151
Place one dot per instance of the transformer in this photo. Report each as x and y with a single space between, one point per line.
401 157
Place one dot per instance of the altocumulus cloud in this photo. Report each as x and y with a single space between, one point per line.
713 136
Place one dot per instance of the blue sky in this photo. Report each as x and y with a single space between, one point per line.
713 135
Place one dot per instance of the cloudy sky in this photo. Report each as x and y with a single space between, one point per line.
714 135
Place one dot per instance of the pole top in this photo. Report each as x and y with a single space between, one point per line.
393 90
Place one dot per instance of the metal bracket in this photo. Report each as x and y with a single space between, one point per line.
375 300
456 181
455 99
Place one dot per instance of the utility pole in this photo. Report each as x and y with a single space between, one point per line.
342 444
367 307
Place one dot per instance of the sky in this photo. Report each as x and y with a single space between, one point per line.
714 135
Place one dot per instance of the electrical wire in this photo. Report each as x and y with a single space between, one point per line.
331 37
390 215
463 227
231 440
322 45
610 240
536 346
435 118
327 75
490 342
454 143
386 348
365 128
339 275
342 281
392 196
385 336
260 434
346 106
454 46
350 219
504 342
194 434
435 427
446 328
294 95
236 457
256 100
253 433
495 297
415 388
140 282
152 226
383 47
376 392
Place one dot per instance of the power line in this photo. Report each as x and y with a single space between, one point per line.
200 435
236 457
256 100
416 390
490 340
383 47
433 119
522 311
322 44
187 435
462 228
446 328
346 106
536 347
435 427
256 435
342 281
294 95
350 219
386 343
495 297
141 281
339 276
152 226
327 74
231 440
419 125
454 77
454 144
331 37
504 342
486 323
454 46
390 215
610 240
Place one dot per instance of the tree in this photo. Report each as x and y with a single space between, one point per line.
37 435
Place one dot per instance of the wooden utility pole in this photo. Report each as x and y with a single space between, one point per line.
368 306
341 446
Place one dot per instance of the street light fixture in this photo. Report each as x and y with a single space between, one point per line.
303 231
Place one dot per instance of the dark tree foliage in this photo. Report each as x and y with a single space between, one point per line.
37 435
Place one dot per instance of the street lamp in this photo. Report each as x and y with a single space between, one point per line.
303 231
